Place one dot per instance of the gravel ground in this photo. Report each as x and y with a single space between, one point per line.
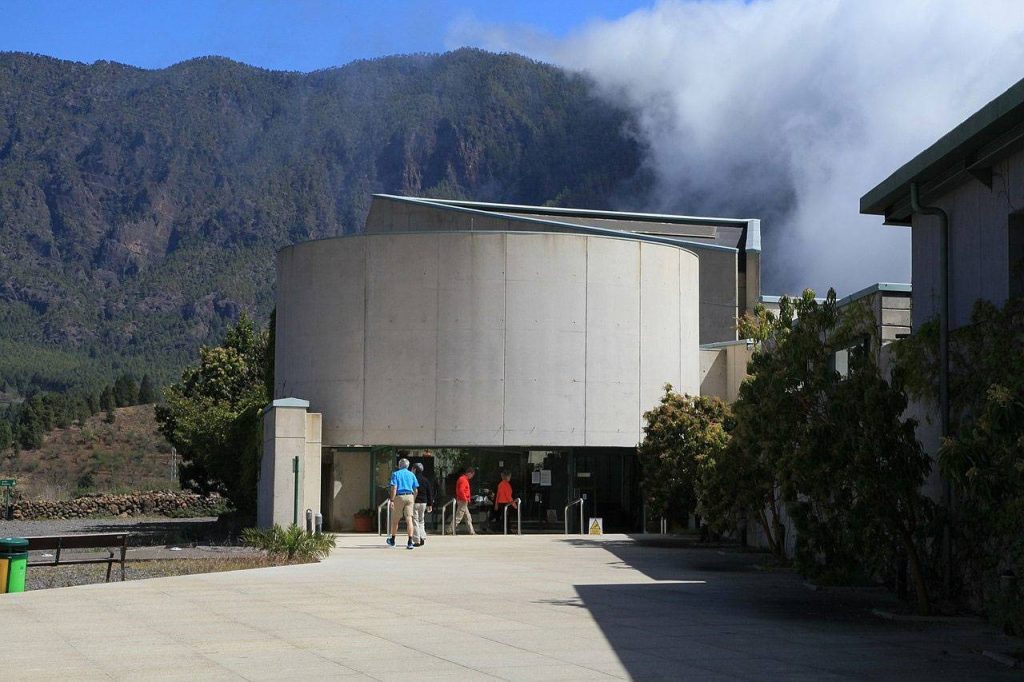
158 547
47 577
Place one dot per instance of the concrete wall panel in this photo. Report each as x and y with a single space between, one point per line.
689 324
401 340
613 343
545 339
660 349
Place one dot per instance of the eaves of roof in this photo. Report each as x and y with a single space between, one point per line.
967 151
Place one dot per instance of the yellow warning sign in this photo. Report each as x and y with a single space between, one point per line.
596 526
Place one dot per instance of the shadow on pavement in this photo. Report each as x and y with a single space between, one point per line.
718 614
210 531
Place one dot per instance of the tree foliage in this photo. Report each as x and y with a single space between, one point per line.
212 416
831 446
682 434
147 392
983 459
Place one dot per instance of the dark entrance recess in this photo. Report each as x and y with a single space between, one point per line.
546 480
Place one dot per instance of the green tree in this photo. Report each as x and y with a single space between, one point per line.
31 426
982 459
212 416
681 434
126 391
832 447
147 393
107 401
6 435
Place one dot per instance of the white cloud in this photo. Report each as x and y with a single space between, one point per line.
790 110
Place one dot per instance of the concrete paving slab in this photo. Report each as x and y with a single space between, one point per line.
486 607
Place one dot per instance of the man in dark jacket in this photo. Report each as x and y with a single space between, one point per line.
424 503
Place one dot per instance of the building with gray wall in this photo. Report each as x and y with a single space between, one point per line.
534 338
975 176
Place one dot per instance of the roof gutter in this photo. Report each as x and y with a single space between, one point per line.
947 495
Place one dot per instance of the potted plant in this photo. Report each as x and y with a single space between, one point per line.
362 521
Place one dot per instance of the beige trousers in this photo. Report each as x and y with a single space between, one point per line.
402 509
462 511
419 515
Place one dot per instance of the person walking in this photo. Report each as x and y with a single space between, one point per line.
424 504
403 496
462 497
503 498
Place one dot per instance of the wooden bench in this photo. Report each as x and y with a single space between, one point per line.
112 542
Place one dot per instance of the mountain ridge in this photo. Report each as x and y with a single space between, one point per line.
140 209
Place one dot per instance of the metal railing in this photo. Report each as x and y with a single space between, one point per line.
664 522
519 516
579 501
444 508
380 508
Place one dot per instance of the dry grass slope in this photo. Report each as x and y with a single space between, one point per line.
128 455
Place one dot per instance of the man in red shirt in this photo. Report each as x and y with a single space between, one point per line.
462 497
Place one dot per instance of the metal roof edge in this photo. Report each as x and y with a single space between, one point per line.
568 227
765 298
581 212
893 287
935 158
725 344
611 234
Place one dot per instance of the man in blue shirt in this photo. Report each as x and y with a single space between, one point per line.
403 497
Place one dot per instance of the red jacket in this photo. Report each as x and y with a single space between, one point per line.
462 489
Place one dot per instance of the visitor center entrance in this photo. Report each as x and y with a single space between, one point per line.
544 480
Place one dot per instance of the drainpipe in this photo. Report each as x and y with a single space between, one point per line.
947 493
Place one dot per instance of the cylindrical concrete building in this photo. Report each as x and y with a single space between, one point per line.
485 339
529 340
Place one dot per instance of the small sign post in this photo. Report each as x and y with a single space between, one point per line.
596 526
8 485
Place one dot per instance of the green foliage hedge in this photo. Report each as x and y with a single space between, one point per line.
983 458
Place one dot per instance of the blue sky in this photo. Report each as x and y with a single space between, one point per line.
301 35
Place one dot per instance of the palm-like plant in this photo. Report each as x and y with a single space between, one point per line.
291 542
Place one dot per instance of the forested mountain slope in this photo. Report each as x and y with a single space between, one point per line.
140 210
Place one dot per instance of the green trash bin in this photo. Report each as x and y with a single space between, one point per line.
13 564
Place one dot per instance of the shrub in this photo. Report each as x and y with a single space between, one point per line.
682 434
981 458
291 542
832 445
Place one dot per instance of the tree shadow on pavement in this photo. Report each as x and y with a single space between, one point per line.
719 614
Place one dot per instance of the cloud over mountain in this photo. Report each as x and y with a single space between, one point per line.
790 110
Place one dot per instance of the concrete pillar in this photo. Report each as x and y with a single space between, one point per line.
289 432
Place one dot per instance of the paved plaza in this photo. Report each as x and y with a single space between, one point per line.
486 607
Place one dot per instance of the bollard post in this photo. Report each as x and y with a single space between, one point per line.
295 500
319 523
309 521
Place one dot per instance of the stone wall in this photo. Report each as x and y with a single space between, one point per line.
151 503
